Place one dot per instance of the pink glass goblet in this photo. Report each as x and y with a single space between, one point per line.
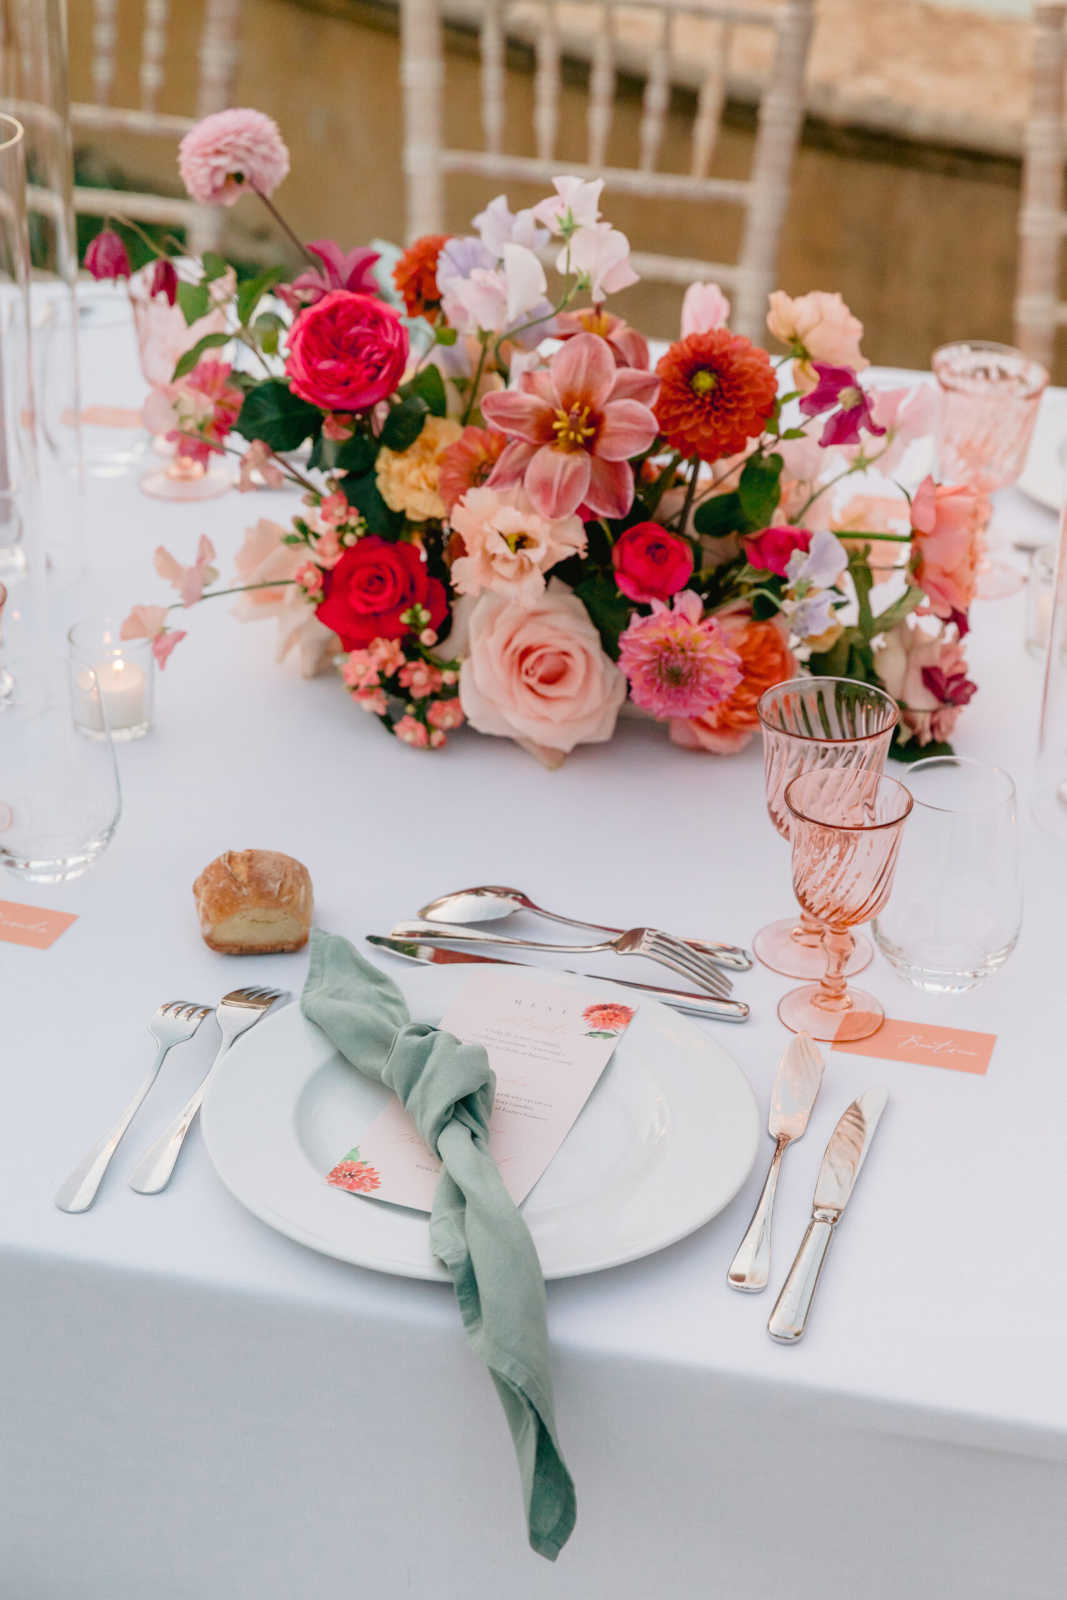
186 478
990 395
846 827
816 723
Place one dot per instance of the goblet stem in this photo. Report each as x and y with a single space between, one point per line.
833 992
808 932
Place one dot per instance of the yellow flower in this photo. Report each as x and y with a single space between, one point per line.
408 480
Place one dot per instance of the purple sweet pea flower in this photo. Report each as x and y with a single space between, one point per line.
839 387
338 271
107 256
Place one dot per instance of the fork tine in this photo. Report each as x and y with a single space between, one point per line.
685 952
667 960
686 961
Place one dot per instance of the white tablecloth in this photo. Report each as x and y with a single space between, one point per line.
194 1408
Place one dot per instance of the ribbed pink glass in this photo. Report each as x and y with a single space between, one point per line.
811 723
846 827
990 395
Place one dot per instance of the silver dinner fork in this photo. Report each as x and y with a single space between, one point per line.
649 942
172 1024
236 1012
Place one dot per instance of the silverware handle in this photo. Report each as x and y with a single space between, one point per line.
446 933
154 1170
791 1309
80 1189
697 1005
751 1266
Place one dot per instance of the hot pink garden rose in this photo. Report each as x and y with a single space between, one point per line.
947 522
538 674
651 563
346 352
769 551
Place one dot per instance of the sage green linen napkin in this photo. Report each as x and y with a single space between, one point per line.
475 1227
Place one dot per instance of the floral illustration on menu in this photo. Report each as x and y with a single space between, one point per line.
357 1176
606 1020
513 518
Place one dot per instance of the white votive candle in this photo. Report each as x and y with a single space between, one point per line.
122 688
121 691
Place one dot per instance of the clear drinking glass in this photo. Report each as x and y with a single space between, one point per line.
846 831
113 438
957 901
990 395
816 723
59 791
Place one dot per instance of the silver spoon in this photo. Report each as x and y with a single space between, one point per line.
491 903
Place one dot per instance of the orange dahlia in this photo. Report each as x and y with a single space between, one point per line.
467 463
717 391
415 275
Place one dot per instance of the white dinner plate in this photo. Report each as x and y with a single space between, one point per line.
1043 475
667 1138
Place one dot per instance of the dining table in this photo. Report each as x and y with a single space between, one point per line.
195 1407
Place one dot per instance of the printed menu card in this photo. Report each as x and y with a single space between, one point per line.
547 1042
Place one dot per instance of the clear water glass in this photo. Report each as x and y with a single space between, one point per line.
59 790
957 903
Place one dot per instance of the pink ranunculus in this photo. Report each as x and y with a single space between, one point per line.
926 673
538 674
769 550
821 327
353 271
346 352
651 563
703 308
229 152
678 661
947 522
573 428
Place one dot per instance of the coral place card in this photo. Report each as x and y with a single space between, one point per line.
32 925
925 1044
548 1043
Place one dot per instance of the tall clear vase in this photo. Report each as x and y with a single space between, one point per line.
1049 802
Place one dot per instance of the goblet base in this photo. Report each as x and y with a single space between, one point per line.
801 1012
997 580
163 483
780 947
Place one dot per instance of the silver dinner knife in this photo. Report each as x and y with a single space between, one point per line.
795 1089
845 1155
431 955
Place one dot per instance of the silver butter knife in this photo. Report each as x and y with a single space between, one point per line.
845 1155
795 1090
431 955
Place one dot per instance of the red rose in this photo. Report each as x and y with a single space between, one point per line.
371 585
346 352
650 563
770 550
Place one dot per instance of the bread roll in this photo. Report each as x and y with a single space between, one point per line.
254 902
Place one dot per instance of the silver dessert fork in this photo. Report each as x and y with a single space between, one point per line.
650 942
236 1012
172 1024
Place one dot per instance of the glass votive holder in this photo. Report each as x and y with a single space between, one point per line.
1040 587
125 672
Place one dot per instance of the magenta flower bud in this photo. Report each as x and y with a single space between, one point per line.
164 280
107 257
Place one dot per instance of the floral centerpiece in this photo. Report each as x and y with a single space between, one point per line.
511 517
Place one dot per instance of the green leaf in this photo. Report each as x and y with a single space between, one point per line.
252 291
863 581
272 412
363 493
794 433
404 423
210 341
759 490
720 515
356 455
764 608
194 300
914 751
832 663
214 266
429 386
609 611
267 330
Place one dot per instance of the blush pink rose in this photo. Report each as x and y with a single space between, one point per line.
769 551
346 352
947 523
538 674
926 673
651 563
821 327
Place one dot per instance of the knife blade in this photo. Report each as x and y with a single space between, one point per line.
795 1089
841 1165
697 1005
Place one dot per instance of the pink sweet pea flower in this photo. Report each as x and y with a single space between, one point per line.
259 457
600 254
704 307
338 271
190 582
575 204
150 622
574 427
839 386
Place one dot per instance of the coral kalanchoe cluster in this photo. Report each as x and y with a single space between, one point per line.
512 516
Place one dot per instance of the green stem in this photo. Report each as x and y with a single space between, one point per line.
856 466
286 229
524 327
690 491
472 398
861 533
241 588
653 499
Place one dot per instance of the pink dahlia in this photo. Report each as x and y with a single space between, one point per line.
572 428
678 663
229 152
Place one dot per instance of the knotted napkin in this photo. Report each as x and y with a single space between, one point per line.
475 1227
